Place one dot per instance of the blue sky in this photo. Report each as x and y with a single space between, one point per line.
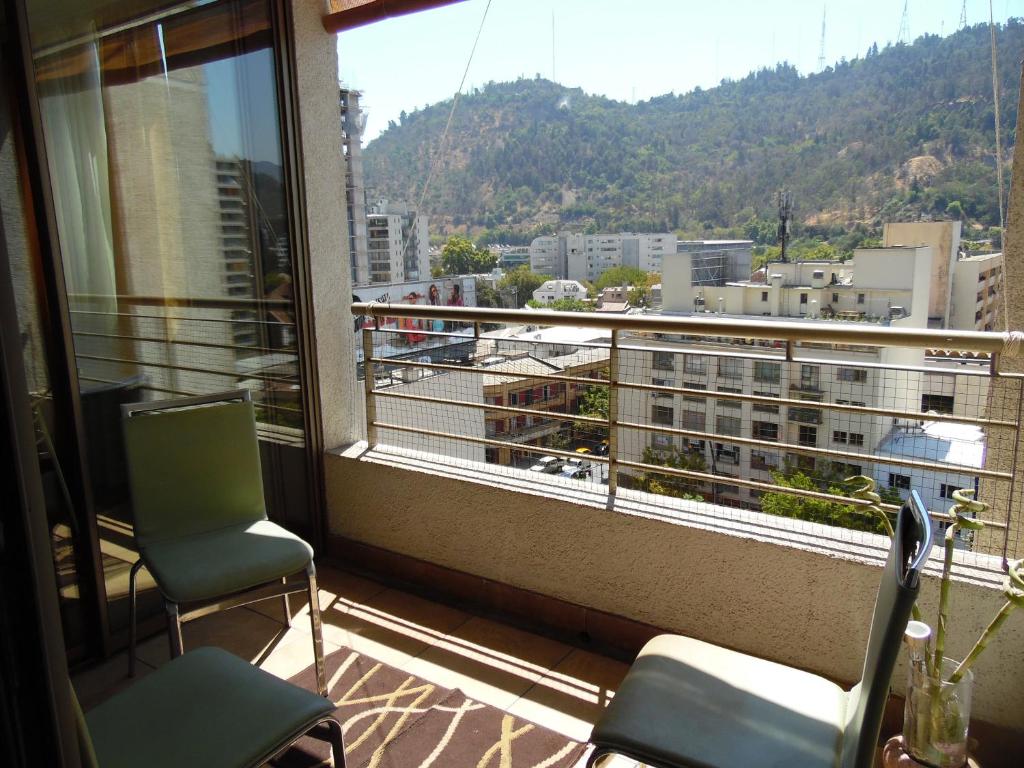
625 50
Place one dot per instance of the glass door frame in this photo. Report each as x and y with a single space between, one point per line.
57 328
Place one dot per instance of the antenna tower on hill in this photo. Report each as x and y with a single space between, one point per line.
904 35
821 49
963 15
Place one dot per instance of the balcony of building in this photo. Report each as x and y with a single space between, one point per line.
445 558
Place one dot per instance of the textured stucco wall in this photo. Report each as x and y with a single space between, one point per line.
316 81
805 608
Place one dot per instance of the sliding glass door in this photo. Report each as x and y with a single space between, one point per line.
163 138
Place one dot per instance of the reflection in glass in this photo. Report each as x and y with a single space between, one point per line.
163 141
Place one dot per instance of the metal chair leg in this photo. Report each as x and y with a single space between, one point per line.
287 606
318 637
174 629
337 742
133 615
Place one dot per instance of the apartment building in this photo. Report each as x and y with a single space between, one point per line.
554 290
576 256
976 296
890 286
397 243
353 120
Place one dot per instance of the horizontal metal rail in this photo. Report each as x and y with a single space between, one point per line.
770 488
187 368
488 371
133 316
182 393
181 342
856 334
494 443
814 451
498 408
705 393
865 410
194 302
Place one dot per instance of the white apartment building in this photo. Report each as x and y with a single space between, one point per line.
976 292
882 285
353 120
584 257
397 243
553 290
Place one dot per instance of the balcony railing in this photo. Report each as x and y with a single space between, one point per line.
973 445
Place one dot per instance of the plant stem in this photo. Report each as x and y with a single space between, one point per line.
979 646
940 629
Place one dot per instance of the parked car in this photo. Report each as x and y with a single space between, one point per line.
576 464
583 450
574 473
549 465
602 448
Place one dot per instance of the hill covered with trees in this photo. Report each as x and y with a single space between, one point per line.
905 132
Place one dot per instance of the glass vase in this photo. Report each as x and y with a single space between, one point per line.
936 717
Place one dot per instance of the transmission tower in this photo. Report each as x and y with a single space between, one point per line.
785 200
821 49
904 35
963 15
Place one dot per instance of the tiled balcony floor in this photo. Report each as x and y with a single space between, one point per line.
550 683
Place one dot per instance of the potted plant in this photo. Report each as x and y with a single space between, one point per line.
938 703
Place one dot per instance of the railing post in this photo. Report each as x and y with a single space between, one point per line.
613 414
368 384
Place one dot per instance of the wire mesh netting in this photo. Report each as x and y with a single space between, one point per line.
748 426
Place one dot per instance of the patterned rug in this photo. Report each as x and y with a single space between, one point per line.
392 719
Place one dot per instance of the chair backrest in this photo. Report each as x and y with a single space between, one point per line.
912 541
193 465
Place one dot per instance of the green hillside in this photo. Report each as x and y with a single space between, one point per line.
904 132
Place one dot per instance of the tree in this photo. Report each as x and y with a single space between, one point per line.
616 276
521 282
567 304
486 296
460 257
820 510
673 485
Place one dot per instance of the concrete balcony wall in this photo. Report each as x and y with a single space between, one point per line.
797 593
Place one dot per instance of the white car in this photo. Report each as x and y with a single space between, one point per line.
549 465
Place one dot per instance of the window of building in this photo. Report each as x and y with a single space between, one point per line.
727 425
730 367
764 295
860 298
767 372
661 441
513 398
839 436
835 298
809 376
694 420
661 382
855 375
763 460
807 435
662 414
946 491
803 298
694 398
765 430
899 481
664 361
727 453
937 403
856 438
697 364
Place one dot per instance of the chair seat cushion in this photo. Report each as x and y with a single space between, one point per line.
205 708
686 702
216 563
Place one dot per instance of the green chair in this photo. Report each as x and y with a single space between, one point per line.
201 525
205 708
689 703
